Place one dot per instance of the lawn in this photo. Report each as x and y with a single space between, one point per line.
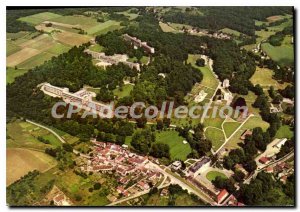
284 132
252 122
96 48
216 136
178 150
123 91
209 79
213 174
39 18
12 73
264 77
230 127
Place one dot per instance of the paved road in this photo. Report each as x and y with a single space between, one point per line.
58 136
182 184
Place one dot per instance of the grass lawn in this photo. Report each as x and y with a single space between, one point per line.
264 77
144 60
96 48
216 136
12 73
255 121
230 127
284 132
213 174
209 78
178 150
126 89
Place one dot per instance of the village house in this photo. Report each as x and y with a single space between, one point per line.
222 196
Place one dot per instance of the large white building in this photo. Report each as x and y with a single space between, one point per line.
81 98
138 43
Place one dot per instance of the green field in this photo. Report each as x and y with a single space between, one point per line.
231 32
230 127
101 28
284 132
283 54
12 73
264 77
209 79
24 135
36 60
39 18
11 48
125 91
213 174
216 137
58 49
178 150
166 28
252 122
96 48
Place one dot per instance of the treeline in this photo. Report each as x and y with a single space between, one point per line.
13 25
241 19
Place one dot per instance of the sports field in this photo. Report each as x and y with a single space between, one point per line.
17 167
178 150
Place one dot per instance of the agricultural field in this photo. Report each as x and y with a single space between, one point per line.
264 77
178 150
25 135
166 28
17 167
213 174
39 18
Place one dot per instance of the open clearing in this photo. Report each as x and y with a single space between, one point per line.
178 150
252 122
71 39
20 161
264 77
213 174
125 91
216 137
166 28
230 127
12 73
284 132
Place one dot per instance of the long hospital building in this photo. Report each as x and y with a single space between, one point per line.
81 98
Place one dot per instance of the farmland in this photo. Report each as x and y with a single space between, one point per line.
17 167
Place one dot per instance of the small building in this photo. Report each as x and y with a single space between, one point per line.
281 143
270 169
264 160
184 142
176 165
222 196
164 192
200 97
226 83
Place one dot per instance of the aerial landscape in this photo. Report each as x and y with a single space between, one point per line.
150 106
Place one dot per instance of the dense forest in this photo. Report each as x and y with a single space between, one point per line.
216 18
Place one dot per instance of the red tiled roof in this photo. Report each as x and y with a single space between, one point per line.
221 195
263 159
